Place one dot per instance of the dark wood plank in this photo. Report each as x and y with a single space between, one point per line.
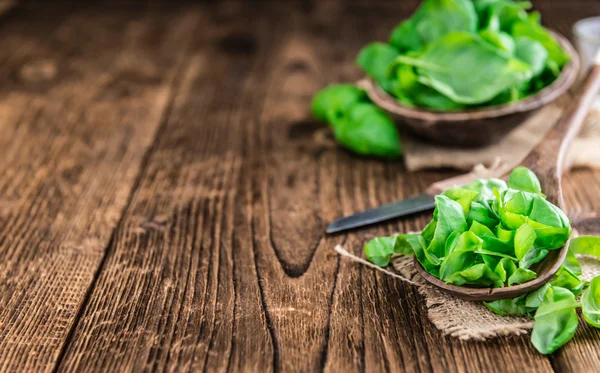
82 97
179 290
582 198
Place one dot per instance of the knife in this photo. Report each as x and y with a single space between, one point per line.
416 204
398 209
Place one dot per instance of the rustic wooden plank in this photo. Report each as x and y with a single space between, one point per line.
582 191
180 280
80 105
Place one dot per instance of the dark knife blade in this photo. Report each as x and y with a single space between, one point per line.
398 209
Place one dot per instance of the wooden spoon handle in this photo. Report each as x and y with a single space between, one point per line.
548 158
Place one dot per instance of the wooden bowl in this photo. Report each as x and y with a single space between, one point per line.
545 269
476 127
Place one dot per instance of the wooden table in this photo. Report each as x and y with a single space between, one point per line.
164 192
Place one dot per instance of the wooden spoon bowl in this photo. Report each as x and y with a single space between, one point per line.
476 127
547 161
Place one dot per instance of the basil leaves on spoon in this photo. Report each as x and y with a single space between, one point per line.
490 233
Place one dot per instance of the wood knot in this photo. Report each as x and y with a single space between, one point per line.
304 129
297 66
237 44
39 71
156 223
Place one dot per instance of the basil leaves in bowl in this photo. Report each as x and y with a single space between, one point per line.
468 83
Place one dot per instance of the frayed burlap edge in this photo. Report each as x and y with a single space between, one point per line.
458 318
452 316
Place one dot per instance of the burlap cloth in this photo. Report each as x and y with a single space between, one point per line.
585 151
472 320
458 318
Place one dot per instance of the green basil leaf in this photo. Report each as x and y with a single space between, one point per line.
481 230
380 250
524 179
549 237
483 6
524 239
518 201
586 245
505 268
429 232
406 243
532 53
508 307
467 69
492 261
485 188
332 103
463 196
436 18
499 39
534 17
429 261
555 320
535 298
491 243
571 261
568 280
404 37
509 219
376 59
478 274
534 255
546 213
428 97
410 91
520 276
450 218
452 242
462 255
482 215
494 253
504 235
512 94
556 53
503 14
456 262
368 130
590 301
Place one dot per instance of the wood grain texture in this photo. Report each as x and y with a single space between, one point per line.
220 263
217 260
78 112
180 278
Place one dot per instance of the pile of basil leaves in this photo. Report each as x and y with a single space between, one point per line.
450 55
490 233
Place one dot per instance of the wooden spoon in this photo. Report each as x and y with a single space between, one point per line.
546 160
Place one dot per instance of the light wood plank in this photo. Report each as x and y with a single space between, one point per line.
81 106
